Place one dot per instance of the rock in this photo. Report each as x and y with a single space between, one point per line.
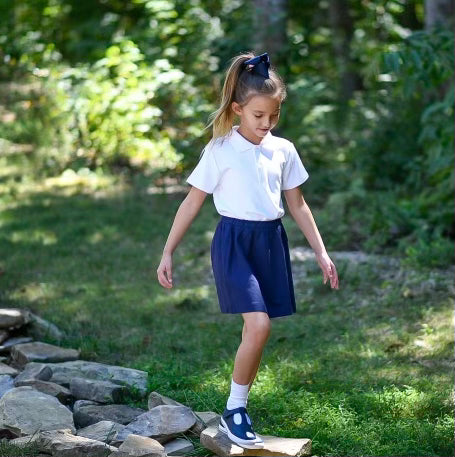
41 352
11 342
156 399
33 371
88 414
215 440
78 404
140 446
41 329
102 431
4 334
62 443
63 372
6 369
13 318
163 423
25 440
63 394
6 384
24 410
97 390
179 446
205 419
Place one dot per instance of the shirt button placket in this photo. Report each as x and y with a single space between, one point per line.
257 151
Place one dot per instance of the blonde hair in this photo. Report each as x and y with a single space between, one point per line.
240 85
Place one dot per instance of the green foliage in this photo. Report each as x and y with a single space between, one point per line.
105 113
403 157
111 108
132 86
433 250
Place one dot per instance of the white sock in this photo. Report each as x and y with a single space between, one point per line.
238 396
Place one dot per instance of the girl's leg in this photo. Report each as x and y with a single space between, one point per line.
256 330
257 363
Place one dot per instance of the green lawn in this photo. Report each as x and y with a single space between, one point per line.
366 370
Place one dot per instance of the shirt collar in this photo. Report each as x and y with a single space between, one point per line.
241 144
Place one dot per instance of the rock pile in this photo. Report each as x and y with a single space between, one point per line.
69 407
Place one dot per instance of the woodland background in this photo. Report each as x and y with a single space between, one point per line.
103 105
370 103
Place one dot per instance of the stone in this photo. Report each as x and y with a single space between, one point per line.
40 328
204 419
63 394
178 446
13 318
24 410
4 334
11 342
163 423
6 369
63 372
102 431
156 399
140 446
33 371
6 384
215 440
25 440
78 404
41 352
88 414
62 443
97 390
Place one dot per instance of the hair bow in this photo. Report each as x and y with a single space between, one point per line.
260 64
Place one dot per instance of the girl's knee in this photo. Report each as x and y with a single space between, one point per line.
257 325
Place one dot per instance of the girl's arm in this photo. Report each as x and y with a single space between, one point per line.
301 213
185 215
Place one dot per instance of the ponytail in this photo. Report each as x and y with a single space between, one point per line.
240 85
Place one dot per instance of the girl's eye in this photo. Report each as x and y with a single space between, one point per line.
273 115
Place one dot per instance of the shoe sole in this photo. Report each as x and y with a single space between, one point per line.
250 444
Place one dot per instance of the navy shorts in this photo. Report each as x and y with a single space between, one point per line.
252 267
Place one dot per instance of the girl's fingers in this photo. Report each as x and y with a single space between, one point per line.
169 274
162 278
334 276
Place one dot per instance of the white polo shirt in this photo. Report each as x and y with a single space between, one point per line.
247 179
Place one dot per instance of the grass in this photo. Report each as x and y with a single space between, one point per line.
366 370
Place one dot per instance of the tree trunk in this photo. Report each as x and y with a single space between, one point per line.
439 13
343 29
269 22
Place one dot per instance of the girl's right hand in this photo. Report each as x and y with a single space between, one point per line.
165 266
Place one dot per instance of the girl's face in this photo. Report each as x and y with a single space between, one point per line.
257 117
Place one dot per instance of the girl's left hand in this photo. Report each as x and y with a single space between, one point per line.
328 268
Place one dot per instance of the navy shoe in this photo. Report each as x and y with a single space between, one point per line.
236 424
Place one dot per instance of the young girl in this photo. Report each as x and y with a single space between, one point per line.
245 167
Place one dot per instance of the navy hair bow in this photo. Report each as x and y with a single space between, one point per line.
260 64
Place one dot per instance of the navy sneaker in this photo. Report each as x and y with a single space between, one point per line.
236 424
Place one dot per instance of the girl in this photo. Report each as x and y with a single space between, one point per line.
245 167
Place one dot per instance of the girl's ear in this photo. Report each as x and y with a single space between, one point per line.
236 108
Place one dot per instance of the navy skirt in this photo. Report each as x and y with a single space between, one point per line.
252 268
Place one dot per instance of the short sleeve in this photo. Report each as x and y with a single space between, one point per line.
294 173
206 174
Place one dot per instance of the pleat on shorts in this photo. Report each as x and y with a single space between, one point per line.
252 268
